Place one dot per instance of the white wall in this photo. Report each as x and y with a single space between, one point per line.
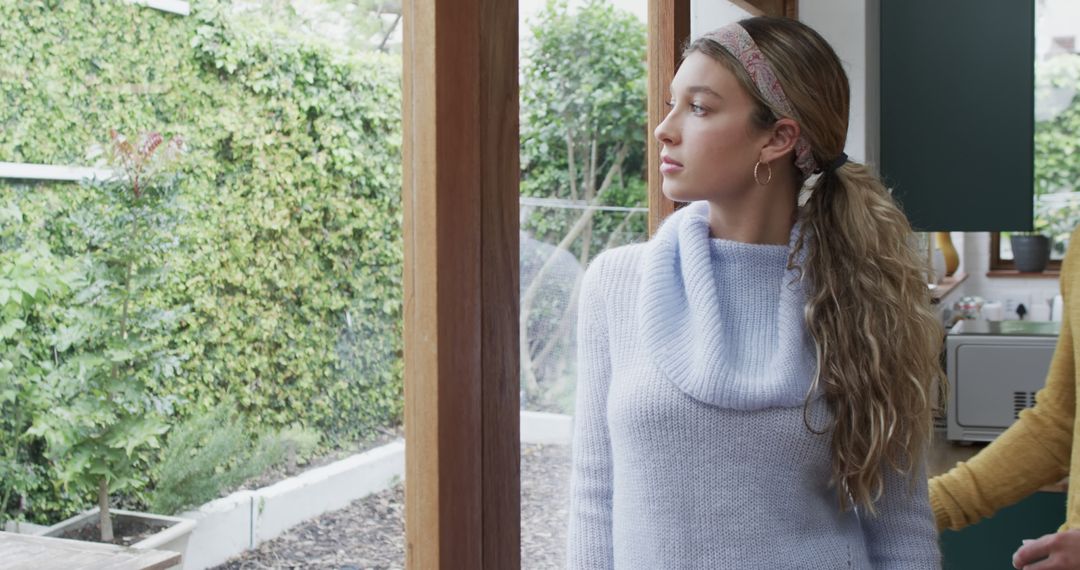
846 25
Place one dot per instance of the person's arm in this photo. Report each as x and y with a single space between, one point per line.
1033 452
901 534
589 541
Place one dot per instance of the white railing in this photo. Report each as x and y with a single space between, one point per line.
52 172
181 7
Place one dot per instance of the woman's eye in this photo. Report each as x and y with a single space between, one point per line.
694 107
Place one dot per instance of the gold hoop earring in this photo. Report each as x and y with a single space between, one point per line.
757 179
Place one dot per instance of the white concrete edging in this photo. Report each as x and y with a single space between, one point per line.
223 530
23 527
229 526
546 428
280 506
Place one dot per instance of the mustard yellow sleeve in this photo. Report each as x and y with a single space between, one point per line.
1034 451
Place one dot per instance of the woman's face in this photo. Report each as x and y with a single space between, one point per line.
708 144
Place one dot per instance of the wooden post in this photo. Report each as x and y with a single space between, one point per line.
669 30
460 192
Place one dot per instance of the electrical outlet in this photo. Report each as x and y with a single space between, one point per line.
1012 302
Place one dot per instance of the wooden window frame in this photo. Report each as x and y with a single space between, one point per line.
1006 267
669 32
460 190
460 212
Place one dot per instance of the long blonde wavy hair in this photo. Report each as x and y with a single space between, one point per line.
868 309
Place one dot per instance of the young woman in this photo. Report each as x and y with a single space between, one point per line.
754 381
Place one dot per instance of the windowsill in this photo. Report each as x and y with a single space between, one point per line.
1048 274
947 285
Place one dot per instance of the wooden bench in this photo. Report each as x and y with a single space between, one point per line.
24 551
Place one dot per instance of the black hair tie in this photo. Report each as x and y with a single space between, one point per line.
840 160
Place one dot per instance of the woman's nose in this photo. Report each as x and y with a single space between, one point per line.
664 132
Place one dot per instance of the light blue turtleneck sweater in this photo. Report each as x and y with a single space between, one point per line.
690 449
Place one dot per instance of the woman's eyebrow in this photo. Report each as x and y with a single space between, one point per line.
694 89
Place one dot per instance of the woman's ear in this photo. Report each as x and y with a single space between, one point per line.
783 136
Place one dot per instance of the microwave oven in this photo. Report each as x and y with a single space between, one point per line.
994 369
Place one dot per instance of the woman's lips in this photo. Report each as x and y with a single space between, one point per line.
669 165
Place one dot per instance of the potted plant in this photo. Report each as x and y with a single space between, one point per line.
1056 215
107 420
1031 251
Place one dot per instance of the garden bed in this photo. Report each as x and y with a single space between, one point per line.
369 533
350 506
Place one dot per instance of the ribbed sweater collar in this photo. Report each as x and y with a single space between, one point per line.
680 321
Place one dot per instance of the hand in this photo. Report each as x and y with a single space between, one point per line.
1058 551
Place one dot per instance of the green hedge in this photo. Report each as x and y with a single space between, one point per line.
1057 138
291 254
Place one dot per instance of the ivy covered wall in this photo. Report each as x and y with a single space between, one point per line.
290 250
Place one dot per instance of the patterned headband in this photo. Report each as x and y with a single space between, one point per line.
738 42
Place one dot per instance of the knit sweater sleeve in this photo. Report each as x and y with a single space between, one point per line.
901 534
589 540
1033 452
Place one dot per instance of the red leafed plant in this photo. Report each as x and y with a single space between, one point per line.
139 161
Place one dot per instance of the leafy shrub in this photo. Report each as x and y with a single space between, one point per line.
211 453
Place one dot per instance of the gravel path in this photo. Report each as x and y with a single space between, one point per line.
370 533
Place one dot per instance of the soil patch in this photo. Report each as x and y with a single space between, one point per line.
126 530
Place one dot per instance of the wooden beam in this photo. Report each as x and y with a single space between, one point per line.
669 31
776 8
501 363
751 6
460 190
791 9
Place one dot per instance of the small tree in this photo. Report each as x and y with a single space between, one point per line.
107 418
583 106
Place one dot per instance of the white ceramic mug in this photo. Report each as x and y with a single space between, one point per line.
993 311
